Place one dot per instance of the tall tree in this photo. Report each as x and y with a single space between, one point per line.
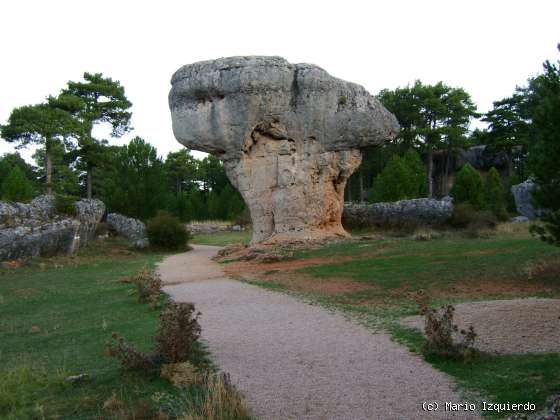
41 124
212 174
181 168
509 128
141 189
544 100
96 100
432 117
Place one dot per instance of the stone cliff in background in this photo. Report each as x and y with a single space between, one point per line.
289 136
30 230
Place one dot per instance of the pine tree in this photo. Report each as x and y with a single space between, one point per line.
16 187
392 183
468 187
494 195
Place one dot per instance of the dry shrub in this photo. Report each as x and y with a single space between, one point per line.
440 330
179 330
175 343
181 374
130 358
149 286
426 234
113 403
543 270
221 401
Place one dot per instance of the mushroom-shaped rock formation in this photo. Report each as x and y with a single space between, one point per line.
289 136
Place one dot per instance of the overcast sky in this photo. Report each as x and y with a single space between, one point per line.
487 47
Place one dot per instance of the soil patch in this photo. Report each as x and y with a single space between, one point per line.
509 326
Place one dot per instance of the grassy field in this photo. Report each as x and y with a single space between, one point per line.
222 238
375 280
56 316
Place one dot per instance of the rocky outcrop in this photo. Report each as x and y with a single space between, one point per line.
524 202
47 239
89 213
130 228
419 211
34 229
289 136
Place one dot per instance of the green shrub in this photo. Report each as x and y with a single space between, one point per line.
418 183
65 204
401 179
16 187
494 195
166 231
465 216
468 187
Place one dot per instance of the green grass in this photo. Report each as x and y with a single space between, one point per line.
450 269
222 238
56 316
423 264
494 378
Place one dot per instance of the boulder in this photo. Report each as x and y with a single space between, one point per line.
289 136
89 212
524 202
47 239
130 228
419 211
33 229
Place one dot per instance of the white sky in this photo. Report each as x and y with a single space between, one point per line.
487 47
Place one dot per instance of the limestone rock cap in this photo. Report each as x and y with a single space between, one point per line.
217 104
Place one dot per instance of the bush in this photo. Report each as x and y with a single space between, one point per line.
65 204
16 187
494 195
401 179
149 285
468 187
465 216
440 329
167 232
178 332
130 358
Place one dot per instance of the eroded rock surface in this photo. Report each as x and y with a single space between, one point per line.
130 228
524 202
34 229
419 211
289 136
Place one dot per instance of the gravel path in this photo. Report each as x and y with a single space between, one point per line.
293 360
512 326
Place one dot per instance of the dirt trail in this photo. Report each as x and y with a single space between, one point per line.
294 360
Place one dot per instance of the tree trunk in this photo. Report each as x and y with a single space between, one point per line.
430 172
509 164
445 186
89 177
361 186
49 168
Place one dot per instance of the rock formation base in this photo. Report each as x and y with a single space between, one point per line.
293 188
